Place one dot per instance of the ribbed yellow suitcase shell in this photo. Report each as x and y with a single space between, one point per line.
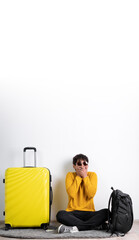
27 196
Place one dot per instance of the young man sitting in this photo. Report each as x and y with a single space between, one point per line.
81 187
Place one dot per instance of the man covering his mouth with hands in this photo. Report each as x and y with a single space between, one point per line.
81 187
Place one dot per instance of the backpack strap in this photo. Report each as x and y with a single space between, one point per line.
109 211
110 225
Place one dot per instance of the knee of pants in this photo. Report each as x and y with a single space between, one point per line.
59 215
106 212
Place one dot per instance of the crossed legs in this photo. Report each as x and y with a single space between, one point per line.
83 220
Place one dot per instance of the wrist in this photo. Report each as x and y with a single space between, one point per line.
85 176
78 175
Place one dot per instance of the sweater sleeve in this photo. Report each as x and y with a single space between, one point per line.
90 183
72 184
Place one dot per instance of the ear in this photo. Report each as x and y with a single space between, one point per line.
74 166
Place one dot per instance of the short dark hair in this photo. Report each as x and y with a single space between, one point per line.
80 157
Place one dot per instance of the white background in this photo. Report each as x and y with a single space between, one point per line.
69 84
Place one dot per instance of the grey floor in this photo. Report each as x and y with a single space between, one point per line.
133 234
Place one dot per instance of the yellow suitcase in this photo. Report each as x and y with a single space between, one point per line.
28 196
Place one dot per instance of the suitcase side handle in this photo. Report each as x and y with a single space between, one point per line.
24 151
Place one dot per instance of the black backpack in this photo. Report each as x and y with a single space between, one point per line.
120 217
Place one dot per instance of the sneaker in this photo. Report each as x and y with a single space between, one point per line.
66 229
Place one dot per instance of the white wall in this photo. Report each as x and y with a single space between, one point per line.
69 84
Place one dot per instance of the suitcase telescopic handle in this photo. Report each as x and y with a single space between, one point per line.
29 148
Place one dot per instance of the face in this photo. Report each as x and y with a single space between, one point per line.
81 164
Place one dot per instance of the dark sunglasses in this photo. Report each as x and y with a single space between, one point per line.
85 163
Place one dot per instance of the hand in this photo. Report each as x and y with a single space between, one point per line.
81 171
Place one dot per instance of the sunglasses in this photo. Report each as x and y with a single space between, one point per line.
79 163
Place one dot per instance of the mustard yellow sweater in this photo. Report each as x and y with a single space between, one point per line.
81 191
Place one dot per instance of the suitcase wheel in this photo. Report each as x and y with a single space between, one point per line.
44 226
7 227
